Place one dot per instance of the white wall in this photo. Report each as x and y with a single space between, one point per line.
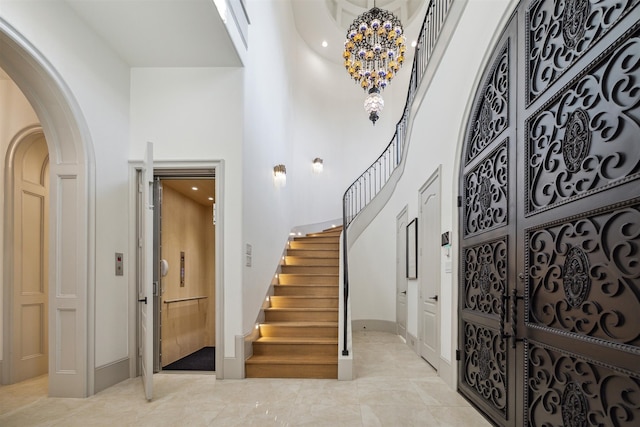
299 106
437 130
196 114
99 81
268 114
330 122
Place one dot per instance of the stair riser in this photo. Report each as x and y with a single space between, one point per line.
328 262
262 349
293 331
318 239
317 291
285 302
301 279
292 371
312 253
306 269
326 234
313 246
301 316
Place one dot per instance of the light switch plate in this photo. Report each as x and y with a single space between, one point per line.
119 264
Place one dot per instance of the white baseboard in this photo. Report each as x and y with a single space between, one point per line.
447 372
345 367
374 325
234 366
412 342
107 375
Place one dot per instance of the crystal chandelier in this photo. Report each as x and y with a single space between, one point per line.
373 53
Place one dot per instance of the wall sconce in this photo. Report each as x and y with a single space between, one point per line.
318 165
280 175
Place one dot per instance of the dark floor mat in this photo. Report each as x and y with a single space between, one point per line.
201 360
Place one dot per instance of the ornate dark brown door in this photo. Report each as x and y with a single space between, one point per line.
488 238
550 220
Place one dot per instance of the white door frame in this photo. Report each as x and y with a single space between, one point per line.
434 275
180 168
71 215
401 269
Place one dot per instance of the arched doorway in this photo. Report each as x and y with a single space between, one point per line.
71 273
549 326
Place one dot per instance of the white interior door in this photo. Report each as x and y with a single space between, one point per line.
145 288
29 346
429 310
401 273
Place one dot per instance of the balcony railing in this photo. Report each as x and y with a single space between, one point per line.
367 186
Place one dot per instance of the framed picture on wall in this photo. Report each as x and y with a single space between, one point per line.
412 249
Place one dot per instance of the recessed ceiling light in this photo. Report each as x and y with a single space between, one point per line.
194 188
414 43
324 43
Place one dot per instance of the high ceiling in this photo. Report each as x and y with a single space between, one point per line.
328 20
190 33
161 33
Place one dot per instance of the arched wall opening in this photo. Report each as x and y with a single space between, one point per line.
72 215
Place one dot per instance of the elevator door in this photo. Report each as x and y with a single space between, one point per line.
185 247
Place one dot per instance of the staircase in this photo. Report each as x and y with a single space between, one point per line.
299 338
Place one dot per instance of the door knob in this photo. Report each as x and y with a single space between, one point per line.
435 298
404 292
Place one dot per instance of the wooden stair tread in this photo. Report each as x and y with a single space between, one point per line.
302 324
311 285
311 262
300 266
312 241
329 253
293 360
296 340
302 296
300 309
318 240
309 274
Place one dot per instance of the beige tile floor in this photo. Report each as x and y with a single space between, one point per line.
394 387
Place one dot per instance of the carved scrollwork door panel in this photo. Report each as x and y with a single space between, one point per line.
579 213
487 222
584 138
558 34
566 389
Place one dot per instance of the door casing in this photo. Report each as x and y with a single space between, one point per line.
194 169
401 273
